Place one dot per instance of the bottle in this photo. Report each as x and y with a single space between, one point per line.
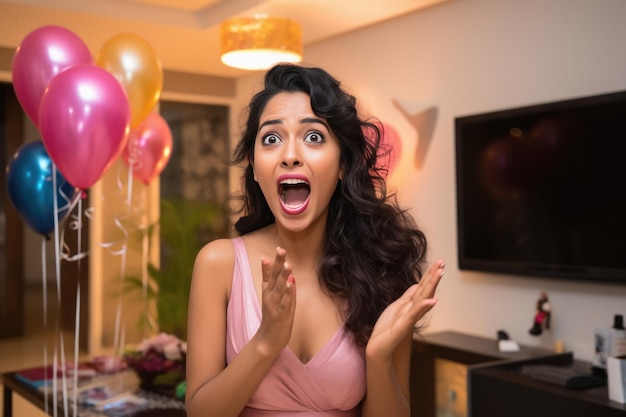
617 339
601 343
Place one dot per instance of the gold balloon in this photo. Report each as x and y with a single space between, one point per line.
132 60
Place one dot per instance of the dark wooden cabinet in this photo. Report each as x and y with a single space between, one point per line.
481 381
499 390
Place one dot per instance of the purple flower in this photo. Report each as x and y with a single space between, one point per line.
161 353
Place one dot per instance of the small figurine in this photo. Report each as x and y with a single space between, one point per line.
542 316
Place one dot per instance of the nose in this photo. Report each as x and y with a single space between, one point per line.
291 154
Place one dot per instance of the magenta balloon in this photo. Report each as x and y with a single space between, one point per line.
391 141
84 120
41 55
149 148
389 147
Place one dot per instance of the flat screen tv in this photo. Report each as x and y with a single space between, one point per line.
541 190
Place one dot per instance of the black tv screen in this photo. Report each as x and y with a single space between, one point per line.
541 190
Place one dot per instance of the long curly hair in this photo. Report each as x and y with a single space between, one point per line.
373 250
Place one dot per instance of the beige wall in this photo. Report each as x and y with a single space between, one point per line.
472 56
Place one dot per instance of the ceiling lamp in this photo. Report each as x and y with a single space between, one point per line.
256 43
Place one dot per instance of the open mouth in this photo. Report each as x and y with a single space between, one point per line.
294 193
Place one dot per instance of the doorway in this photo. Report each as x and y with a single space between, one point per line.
11 226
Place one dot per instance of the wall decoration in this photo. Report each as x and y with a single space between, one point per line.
424 123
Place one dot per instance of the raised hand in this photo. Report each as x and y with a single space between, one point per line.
278 302
400 317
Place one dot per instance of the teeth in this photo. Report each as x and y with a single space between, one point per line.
293 181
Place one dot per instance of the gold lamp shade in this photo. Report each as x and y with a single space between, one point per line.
256 43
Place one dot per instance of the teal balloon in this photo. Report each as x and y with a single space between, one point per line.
30 186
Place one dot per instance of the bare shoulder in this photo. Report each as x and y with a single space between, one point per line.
214 265
217 252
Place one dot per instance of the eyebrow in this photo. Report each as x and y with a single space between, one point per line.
302 121
314 120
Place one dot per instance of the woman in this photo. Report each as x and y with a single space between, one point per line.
310 311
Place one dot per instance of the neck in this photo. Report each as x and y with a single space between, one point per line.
304 248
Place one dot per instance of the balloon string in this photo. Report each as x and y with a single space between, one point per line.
119 248
144 278
55 367
69 202
77 310
135 160
119 333
74 223
120 242
152 322
44 290
77 332
129 181
122 338
144 263
64 252
59 327
117 347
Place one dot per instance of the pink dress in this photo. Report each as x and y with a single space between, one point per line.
331 384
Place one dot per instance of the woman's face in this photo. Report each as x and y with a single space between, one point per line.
296 161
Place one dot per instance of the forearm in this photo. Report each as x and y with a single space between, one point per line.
227 394
384 394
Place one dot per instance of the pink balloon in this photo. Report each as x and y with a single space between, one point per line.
391 142
149 148
41 55
84 120
389 148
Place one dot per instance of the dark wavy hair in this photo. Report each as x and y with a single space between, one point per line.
373 251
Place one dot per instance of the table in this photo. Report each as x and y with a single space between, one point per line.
156 402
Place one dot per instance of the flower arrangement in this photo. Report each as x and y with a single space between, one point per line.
159 361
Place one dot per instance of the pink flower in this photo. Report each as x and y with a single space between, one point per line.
161 353
163 343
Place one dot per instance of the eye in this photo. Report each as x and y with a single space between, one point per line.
314 137
270 139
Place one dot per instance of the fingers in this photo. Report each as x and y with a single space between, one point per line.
266 268
436 270
290 296
409 293
278 278
272 272
423 297
428 283
279 293
278 300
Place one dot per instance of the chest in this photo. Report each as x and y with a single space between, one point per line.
317 318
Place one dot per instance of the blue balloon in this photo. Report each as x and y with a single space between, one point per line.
29 177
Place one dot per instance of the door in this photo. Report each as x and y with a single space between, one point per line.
11 226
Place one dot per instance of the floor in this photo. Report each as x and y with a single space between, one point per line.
28 351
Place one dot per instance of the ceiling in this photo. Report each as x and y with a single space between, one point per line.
185 33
